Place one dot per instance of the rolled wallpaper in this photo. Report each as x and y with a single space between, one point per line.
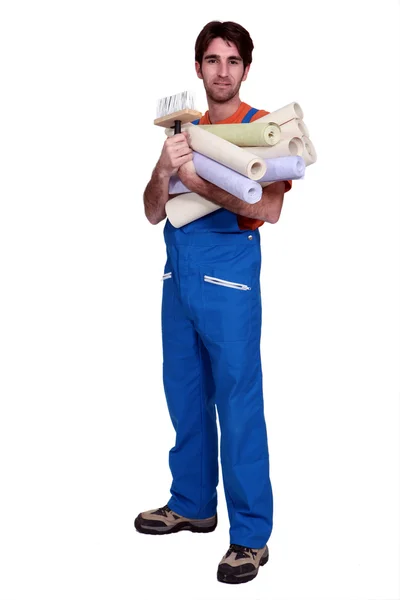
286 158
293 146
246 134
284 114
293 128
176 186
289 147
284 168
236 184
187 208
278 169
309 154
226 153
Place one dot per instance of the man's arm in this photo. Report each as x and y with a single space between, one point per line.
175 153
156 196
267 209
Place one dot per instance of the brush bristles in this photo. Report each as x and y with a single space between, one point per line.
172 104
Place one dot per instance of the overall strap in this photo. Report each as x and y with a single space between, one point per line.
247 116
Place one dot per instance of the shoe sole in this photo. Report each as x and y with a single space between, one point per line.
183 526
230 578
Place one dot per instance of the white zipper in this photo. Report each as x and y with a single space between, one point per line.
166 276
231 284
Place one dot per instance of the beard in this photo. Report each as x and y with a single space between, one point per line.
219 95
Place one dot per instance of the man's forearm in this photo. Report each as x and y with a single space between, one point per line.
267 209
156 196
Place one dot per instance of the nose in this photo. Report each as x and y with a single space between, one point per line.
223 69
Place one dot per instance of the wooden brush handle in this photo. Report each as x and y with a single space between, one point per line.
184 116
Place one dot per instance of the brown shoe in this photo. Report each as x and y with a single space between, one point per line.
241 564
164 520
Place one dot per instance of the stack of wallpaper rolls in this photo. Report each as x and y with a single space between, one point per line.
242 158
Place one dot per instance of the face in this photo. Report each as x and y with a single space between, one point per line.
222 70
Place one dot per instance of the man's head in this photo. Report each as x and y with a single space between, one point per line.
223 54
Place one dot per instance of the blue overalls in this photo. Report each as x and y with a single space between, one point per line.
211 331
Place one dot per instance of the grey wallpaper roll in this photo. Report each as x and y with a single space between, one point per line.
283 168
176 186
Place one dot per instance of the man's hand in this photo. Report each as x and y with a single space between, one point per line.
175 153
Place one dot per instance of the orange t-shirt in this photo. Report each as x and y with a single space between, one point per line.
243 222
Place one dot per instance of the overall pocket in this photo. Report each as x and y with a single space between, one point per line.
168 302
227 305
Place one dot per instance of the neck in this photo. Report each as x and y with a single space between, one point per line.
218 111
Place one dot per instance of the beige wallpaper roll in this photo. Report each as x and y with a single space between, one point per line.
284 114
309 155
186 208
247 134
294 128
226 153
291 146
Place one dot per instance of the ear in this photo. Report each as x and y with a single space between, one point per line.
198 69
245 73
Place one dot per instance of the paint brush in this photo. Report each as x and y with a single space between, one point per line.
173 111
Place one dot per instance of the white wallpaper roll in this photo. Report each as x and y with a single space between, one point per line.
309 154
226 153
286 147
284 114
294 128
187 208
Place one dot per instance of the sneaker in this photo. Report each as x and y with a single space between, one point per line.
241 564
164 520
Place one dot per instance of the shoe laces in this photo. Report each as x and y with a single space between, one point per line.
163 511
241 551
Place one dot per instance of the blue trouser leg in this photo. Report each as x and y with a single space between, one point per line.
244 449
188 385
230 327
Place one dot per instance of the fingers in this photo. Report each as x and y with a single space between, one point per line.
183 159
176 151
179 137
175 139
179 146
173 156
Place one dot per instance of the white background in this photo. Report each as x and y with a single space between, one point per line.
84 427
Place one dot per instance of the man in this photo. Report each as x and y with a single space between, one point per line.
211 330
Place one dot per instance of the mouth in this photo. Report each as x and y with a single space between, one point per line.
222 84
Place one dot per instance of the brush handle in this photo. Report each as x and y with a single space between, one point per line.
177 128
